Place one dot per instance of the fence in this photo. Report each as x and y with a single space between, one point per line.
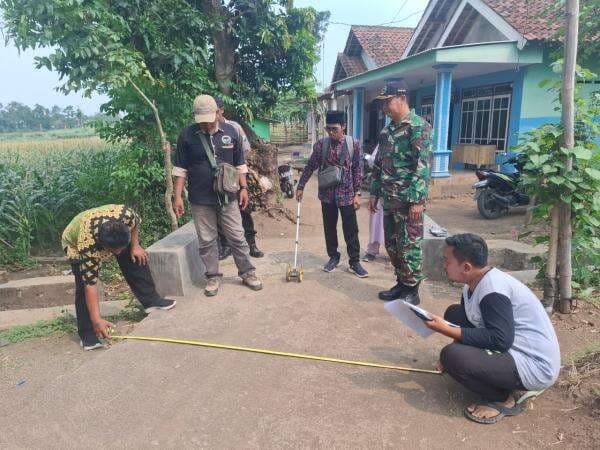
284 134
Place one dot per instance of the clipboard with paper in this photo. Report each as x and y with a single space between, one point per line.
412 316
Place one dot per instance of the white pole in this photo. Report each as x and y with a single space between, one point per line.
297 236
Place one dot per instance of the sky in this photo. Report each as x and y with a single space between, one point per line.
21 82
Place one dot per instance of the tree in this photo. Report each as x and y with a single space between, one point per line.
152 58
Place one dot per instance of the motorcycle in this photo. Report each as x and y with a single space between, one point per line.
497 192
286 183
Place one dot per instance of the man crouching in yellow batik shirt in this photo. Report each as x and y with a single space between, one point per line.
94 236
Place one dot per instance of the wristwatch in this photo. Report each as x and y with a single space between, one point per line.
243 187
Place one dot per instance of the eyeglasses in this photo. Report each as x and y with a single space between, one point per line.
333 129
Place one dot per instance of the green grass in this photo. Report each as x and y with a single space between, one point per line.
587 353
64 324
67 133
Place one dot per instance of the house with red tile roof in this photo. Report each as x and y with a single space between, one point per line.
472 67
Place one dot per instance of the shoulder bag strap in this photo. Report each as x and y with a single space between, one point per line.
208 149
325 152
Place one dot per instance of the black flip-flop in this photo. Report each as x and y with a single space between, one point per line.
503 411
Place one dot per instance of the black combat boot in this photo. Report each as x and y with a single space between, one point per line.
399 290
411 295
254 251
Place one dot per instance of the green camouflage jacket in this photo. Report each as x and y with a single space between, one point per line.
401 169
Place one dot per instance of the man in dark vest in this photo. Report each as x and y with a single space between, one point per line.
343 198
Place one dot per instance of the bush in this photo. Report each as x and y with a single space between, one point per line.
546 178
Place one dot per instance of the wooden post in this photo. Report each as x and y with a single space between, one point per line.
568 122
550 285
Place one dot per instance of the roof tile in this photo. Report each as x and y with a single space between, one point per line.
384 45
528 17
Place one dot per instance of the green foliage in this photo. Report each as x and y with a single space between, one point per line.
165 47
290 110
64 324
545 176
68 133
588 47
41 192
18 117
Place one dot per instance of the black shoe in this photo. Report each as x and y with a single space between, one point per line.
412 295
332 263
254 251
91 342
358 270
224 252
162 303
398 291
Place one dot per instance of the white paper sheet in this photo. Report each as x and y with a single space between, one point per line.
403 311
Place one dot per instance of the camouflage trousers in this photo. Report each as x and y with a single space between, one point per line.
403 243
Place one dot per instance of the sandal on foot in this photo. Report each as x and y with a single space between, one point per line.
502 412
527 395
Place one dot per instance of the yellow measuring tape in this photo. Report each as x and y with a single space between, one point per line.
272 352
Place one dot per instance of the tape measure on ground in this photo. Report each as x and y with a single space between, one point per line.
276 353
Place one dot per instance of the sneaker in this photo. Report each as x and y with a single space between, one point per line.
162 303
369 257
91 343
252 281
333 262
212 287
358 270
255 252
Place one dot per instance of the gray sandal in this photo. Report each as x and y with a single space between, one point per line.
503 411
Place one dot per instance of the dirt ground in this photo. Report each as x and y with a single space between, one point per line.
570 412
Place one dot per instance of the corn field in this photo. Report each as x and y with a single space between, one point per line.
44 184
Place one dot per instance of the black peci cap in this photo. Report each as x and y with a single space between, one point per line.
335 117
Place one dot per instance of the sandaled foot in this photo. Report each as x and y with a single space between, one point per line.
522 397
492 412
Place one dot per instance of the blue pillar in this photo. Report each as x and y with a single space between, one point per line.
357 113
441 119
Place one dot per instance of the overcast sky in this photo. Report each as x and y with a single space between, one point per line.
21 82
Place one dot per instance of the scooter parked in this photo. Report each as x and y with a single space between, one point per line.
497 192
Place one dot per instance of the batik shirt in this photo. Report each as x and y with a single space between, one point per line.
401 170
343 194
80 238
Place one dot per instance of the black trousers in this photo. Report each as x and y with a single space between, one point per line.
249 230
349 227
490 374
138 278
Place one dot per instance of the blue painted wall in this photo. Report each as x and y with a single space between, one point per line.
507 76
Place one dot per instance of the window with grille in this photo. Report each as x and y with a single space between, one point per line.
484 115
427 109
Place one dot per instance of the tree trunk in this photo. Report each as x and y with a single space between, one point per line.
568 121
550 282
223 43
168 165
264 160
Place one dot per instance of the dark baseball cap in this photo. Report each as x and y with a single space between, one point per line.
393 88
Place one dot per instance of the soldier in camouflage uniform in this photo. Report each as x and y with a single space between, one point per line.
400 178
